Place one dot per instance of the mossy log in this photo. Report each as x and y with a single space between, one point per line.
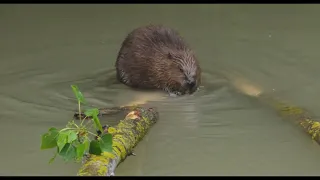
296 114
126 136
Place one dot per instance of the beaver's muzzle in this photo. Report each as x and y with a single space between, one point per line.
192 86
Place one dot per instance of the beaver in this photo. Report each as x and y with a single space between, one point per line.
157 57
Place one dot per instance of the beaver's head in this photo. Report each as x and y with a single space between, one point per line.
184 73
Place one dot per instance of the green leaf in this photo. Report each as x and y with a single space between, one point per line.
52 159
97 123
87 144
106 143
80 150
49 139
95 148
77 93
92 112
62 140
72 136
68 152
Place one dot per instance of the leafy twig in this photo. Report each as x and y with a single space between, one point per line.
73 142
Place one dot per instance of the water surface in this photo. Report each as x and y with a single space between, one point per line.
46 48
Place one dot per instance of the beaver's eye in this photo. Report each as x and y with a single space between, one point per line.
181 70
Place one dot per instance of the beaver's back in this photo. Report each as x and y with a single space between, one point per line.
143 57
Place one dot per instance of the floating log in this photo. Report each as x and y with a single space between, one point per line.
295 114
287 111
126 136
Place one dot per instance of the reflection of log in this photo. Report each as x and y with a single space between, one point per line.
296 114
126 136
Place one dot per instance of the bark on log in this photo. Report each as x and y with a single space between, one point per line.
126 136
295 114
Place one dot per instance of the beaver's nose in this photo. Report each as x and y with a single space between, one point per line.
192 85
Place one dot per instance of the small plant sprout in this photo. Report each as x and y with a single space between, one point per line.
75 140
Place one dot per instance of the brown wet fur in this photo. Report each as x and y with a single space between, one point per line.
157 57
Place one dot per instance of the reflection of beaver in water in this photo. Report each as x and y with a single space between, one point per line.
156 57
